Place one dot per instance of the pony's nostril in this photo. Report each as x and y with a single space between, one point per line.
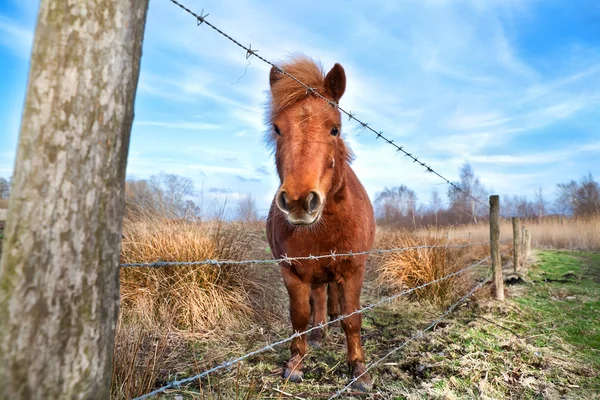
282 202
314 202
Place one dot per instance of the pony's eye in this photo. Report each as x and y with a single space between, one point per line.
335 130
276 129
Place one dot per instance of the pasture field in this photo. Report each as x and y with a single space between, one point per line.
542 343
549 233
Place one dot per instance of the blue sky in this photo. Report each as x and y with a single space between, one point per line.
513 87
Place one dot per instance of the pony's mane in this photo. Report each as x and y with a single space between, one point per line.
286 91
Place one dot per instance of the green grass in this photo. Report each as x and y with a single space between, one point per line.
566 297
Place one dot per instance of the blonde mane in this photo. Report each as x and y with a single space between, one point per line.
285 91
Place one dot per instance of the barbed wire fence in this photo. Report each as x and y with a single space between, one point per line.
227 364
494 245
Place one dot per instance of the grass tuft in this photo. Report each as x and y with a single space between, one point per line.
411 268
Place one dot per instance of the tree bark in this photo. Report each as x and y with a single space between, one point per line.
59 276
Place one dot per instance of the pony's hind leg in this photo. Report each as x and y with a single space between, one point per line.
299 293
333 303
318 299
350 302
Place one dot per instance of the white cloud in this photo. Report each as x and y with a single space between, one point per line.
15 36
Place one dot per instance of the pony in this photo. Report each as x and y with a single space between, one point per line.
319 208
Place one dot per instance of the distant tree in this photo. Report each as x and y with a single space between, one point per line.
587 197
579 199
396 205
565 199
246 209
540 204
435 204
464 202
169 191
164 193
4 188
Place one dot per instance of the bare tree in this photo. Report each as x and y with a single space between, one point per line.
540 204
4 188
566 197
163 193
464 202
246 209
587 197
436 203
169 192
59 276
396 205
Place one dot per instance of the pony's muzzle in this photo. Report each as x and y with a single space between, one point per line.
300 210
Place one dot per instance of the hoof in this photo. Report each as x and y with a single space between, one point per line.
315 338
293 369
293 376
336 324
365 382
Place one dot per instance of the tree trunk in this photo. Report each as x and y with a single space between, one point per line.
59 276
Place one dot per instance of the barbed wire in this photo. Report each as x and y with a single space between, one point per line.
289 260
201 19
416 336
227 364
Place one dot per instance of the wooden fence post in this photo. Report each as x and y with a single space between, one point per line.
59 273
527 244
495 246
523 246
516 243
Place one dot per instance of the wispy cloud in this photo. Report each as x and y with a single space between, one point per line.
16 37
451 81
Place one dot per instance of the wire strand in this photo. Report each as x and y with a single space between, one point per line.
289 260
201 19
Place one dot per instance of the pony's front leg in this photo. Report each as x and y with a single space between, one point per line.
333 303
349 291
318 301
299 293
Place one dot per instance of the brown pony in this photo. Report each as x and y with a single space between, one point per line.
320 207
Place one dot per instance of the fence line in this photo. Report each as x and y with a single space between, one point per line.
201 19
288 260
227 364
416 336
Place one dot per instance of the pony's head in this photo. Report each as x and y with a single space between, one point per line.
305 133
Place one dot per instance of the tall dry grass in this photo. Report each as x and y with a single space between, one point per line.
164 310
550 232
186 298
411 268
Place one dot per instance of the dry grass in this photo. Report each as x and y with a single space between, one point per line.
411 268
550 233
185 303
186 298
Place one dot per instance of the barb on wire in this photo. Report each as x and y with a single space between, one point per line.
228 364
416 336
202 19
288 260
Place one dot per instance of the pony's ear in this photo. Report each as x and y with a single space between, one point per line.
335 82
274 76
